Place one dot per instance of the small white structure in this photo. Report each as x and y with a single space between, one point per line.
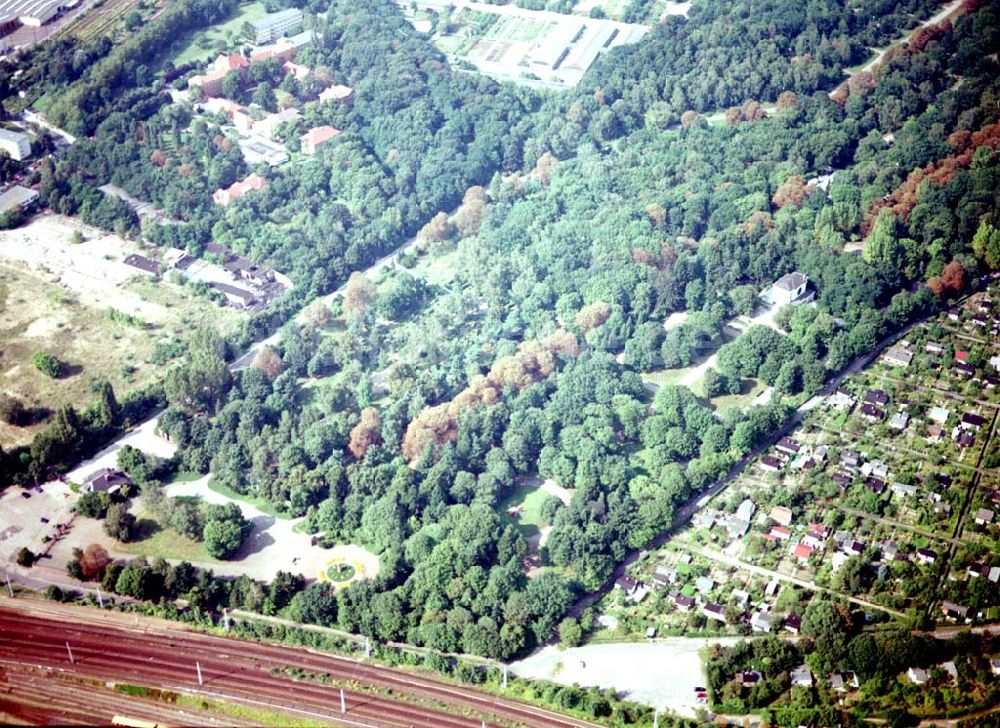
789 288
16 144
917 675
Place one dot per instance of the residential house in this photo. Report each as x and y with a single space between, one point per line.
790 288
772 588
962 356
338 93
932 348
977 571
781 515
850 459
297 70
877 397
903 490
926 556
935 434
841 681
740 596
984 517
238 189
995 666
683 603
899 421
663 577
950 670
972 421
954 611
842 479
897 356
704 584
801 677
841 400
963 439
954 315
105 480
711 610
964 370
771 464
918 675
627 585
871 413
761 622
852 547
750 678
780 533
788 446
994 575
802 552
315 138
995 362
938 415
875 485
793 623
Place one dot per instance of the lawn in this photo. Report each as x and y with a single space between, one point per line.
167 543
436 269
203 44
529 498
751 388
258 503
666 377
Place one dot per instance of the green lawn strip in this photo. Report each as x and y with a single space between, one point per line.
188 48
259 503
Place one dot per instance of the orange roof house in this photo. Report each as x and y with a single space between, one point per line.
312 140
238 189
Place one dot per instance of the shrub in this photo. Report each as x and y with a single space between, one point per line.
47 364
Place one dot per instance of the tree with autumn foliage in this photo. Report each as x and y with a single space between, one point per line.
359 293
366 433
269 362
949 283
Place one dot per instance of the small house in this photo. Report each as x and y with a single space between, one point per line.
793 623
995 666
984 517
926 556
790 288
802 552
898 356
954 611
781 515
841 400
871 413
877 397
933 348
899 421
761 622
788 446
963 370
704 584
105 480
780 533
627 585
772 588
938 415
850 459
771 464
972 421
917 675
750 678
683 603
714 611
954 315
801 677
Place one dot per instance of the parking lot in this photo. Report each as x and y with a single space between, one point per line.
22 525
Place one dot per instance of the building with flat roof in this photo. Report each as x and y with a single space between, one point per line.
257 150
17 198
16 144
274 25
30 12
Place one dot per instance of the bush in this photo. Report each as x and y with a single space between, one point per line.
119 523
47 364
25 557
93 505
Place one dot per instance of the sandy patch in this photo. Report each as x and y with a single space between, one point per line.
660 673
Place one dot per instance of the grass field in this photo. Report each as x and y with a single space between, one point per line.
204 44
165 542
529 499
438 269
666 377
751 388
258 503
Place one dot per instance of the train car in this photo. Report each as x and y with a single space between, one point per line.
123 720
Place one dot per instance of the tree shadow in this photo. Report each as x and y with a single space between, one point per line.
258 539
70 370
146 528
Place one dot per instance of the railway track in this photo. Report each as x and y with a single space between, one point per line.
256 673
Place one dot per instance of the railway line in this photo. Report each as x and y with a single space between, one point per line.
250 672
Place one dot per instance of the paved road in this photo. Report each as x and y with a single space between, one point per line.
111 646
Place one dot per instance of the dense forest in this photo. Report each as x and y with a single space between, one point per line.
583 220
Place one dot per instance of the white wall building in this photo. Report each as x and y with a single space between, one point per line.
790 287
16 144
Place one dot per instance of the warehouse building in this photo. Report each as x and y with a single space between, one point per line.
29 12
16 144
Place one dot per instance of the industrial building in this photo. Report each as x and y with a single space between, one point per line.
274 25
550 50
30 12
17 198
16 144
